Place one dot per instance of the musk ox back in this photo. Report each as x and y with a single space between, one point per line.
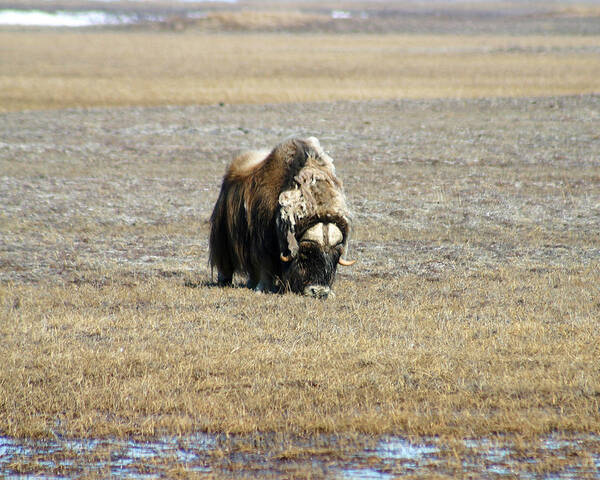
281 218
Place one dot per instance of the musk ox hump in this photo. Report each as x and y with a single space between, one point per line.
296 153
247 161
319 154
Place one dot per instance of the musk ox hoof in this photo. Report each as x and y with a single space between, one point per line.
264 287
318 291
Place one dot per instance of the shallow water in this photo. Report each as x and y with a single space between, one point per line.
383 459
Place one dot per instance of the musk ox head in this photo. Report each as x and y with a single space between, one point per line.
311 271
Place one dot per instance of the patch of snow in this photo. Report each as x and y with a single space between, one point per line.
340 14
62 18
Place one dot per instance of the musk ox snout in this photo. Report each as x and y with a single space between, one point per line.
318 291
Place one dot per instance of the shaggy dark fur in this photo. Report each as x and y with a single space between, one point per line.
250 229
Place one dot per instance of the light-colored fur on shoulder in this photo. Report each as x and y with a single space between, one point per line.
248 160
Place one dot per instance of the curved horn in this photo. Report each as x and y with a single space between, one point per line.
285 258
346 263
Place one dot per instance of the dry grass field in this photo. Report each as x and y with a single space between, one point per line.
44 69
463 343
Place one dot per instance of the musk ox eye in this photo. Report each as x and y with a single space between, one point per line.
308 244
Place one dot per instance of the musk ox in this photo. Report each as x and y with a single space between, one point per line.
281 218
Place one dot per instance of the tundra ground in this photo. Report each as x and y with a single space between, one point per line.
48 69
463 343
472 311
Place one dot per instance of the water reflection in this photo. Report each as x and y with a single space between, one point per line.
117 457
382 459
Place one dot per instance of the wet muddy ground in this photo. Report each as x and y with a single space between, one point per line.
205 455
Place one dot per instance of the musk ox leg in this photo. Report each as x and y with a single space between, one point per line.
253 278
251 283
224 280
265 284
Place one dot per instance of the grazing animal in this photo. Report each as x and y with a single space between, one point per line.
281 218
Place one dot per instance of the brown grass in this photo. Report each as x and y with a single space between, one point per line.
252 20
508 350
42 70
